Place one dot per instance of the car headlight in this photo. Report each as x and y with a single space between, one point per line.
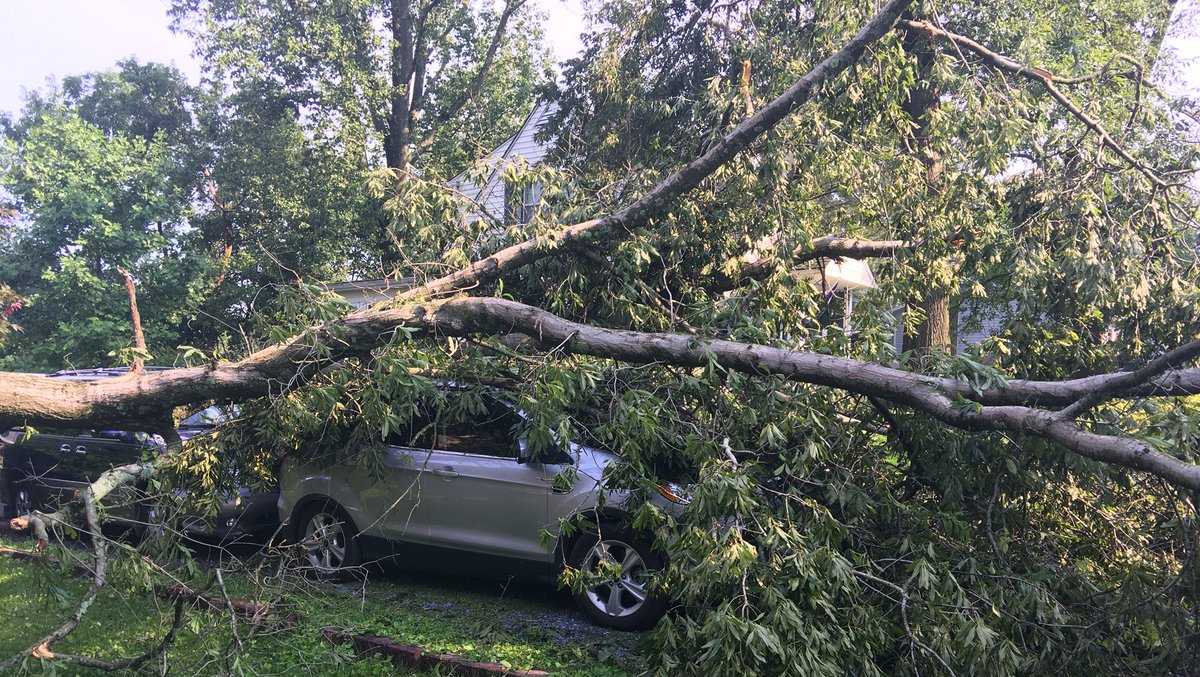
674 493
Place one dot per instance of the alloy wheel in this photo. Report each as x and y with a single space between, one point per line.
624 593
325 542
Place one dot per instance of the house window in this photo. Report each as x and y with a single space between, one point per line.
521 202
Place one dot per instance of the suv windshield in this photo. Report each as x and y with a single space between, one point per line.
209 417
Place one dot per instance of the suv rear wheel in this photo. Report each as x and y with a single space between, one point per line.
327 537
622 564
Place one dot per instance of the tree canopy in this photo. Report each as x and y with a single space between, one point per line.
872 492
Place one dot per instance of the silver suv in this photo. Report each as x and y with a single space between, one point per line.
466 496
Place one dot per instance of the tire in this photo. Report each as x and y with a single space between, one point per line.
145 525
329 540
625 604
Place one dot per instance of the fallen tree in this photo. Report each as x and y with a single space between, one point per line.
1012 407
1051 410
144 401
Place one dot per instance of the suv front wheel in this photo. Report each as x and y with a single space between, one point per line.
327 539
620 565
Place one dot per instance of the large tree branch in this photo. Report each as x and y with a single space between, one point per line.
141 401
1171 383
1042 77
947 400
1126 380
462 317
636 214
108 482
476 85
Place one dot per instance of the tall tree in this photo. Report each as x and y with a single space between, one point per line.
101 176
396 83
1026 508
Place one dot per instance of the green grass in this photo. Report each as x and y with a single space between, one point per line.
519 626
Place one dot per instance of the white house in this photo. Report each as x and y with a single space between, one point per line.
494 198
491 198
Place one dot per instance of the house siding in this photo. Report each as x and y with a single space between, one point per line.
522 145
972 325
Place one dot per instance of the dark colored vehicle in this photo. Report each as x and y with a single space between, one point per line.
40 471
243 515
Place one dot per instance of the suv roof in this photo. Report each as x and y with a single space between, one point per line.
101 372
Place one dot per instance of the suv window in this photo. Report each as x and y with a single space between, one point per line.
209 416
491 433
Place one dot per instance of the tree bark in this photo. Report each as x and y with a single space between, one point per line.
122 400
934 332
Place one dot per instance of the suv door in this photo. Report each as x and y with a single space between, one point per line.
51 465
392 495
395 503
480 496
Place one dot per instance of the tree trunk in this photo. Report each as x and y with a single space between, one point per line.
118 400
399 138
397 142
934 332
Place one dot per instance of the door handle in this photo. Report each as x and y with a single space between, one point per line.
446 471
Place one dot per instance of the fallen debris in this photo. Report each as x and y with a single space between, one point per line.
39 556
254 612
413 656
30 555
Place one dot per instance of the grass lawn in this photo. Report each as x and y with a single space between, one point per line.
519 626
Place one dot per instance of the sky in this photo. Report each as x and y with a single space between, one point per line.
44 40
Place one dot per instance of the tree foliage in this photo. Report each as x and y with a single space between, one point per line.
828 531
922 549
101 177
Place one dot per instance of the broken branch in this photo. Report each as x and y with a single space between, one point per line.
139 338
1042 77
42 648
756 265
636 214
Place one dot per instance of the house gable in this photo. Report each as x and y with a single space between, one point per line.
522 145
